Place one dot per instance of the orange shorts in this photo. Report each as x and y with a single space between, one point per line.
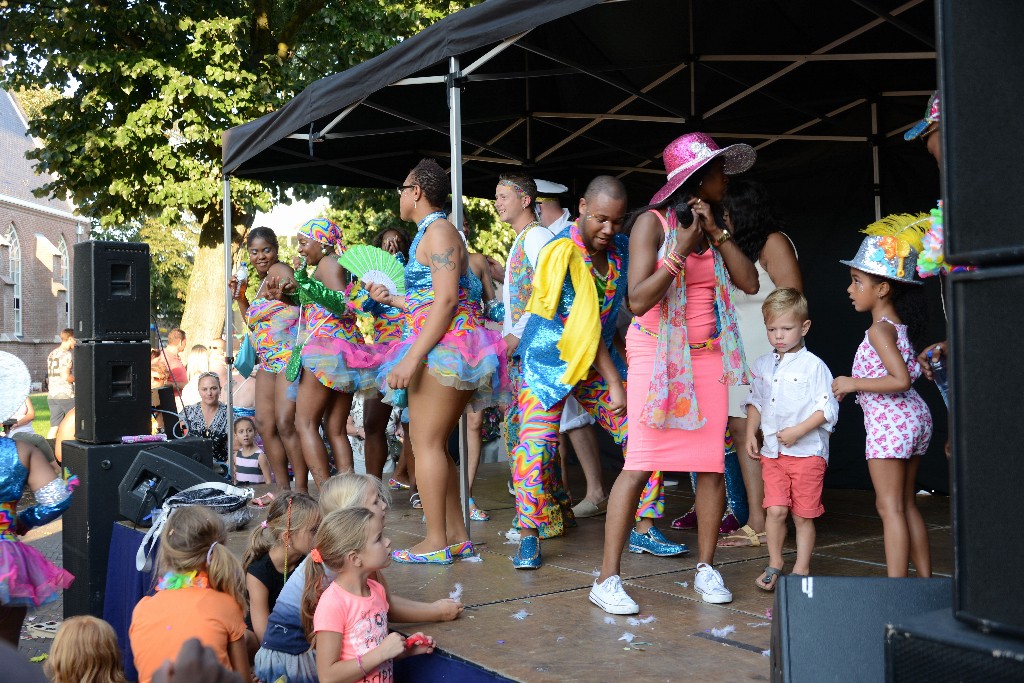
795 483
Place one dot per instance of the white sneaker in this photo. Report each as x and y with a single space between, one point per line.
611 597
708 583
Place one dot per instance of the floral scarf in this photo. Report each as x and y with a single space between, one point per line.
672 401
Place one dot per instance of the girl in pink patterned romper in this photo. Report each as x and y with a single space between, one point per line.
896 418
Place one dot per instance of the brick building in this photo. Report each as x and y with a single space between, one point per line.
37 238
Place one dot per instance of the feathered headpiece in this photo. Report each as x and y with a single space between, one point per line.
890 250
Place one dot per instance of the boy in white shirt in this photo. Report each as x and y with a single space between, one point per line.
792 403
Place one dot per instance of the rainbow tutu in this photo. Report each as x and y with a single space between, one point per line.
27 578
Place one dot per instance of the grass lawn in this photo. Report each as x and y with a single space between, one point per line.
41 423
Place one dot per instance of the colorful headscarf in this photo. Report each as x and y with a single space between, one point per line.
322 230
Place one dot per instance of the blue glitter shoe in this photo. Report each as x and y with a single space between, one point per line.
655 543
528 554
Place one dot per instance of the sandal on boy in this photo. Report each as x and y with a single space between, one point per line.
771 577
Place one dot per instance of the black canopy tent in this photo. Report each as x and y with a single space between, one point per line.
569 89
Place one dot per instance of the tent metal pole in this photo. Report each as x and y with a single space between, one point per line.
229 349
455 140
875 170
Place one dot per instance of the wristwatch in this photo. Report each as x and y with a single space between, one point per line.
722 239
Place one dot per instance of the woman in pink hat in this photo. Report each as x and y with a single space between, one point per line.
683 350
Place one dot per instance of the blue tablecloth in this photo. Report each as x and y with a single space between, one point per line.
125 587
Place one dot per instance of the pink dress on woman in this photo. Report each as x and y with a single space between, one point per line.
679 450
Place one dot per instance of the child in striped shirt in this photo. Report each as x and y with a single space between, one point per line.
251 465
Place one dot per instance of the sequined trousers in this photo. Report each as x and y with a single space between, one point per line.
541 501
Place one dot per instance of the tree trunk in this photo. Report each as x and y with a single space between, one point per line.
203 318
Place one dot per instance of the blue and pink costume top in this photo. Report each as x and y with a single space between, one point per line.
468 356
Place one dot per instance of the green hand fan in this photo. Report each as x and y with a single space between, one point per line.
373 265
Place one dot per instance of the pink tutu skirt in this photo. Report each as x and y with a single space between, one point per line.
27 578
342 365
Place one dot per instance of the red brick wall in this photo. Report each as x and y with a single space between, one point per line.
42 299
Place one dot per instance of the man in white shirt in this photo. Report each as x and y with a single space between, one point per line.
791 400
577 424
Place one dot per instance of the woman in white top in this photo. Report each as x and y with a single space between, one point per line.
757 232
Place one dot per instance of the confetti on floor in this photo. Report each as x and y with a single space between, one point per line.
475 558
684 584
723 632
627 636
456 592
766 653
633 621
521 614
609 620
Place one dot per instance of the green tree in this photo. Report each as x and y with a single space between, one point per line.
151 86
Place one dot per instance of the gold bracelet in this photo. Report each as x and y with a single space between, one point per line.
722 239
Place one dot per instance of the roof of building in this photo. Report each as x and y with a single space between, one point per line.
17 174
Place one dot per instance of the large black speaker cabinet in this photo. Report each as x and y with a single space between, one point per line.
112 391
981 76
832 628
935 648
987 324
157 474
95 507
110 291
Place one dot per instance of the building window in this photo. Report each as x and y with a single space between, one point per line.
15 270
65 279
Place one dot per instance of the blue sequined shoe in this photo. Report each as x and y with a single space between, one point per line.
528 554
442 556
655 543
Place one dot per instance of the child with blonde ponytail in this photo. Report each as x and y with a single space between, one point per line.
276 547
284 650
347 618
200 594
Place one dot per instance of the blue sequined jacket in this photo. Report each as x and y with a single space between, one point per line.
542 367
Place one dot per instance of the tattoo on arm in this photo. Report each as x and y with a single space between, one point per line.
443 261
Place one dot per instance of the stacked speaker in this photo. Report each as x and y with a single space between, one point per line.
981 76
110 313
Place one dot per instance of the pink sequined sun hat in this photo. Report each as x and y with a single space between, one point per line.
688 153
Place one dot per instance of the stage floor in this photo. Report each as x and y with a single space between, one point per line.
540 626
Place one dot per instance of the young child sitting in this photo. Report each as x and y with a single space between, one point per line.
285 650
251 465
85 649
791 401
349 615
200 594
276 547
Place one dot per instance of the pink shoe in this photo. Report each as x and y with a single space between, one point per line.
687 521
729 524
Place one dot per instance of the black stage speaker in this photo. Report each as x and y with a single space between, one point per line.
110 292
987 324
981 76
934 647
157 474
832 628
112 391
95 507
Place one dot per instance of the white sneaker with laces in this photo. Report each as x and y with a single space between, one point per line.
709 585
612 598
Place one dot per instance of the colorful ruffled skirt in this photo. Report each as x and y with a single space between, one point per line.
468 357
273 326
27 578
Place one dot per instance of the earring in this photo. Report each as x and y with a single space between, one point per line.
323 250
414 203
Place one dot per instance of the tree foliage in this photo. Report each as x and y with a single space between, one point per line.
150 87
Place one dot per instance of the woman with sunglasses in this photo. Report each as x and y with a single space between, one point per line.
447 361
684 351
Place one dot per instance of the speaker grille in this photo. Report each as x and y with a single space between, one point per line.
914 659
